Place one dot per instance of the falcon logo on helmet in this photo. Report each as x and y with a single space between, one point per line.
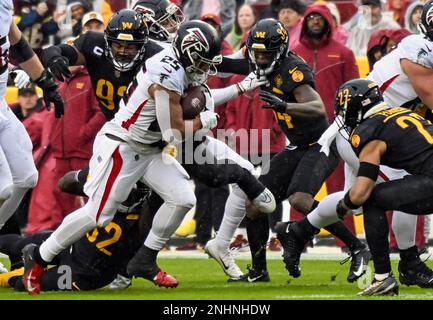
429 16
425 25
196 39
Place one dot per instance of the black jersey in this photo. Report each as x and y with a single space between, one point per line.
293 72
109 84
407 135
105 250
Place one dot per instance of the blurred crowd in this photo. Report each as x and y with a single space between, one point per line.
340 40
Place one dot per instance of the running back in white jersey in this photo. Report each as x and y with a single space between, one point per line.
6 7
137 113
393 82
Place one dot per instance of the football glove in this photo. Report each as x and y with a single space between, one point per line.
275 103
208 119
21 78
49 89
342 209
58 67
251 82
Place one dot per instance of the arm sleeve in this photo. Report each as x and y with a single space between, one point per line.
64 50
223 95
237 66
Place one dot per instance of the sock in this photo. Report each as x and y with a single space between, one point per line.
11 205
404 227
381 276
314 205
304 229
149 254
339 230
233 215
250 185
73 227
258 233
39 260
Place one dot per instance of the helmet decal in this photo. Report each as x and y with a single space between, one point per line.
196 39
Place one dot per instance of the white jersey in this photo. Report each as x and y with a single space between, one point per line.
137 113
6 7
393 82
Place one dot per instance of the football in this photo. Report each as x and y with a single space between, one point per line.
193 102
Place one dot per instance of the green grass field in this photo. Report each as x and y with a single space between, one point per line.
202 279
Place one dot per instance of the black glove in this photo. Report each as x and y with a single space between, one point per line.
49 88
275 103
58 66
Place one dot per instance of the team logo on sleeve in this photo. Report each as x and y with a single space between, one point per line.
194 39
297 76
278 80
355 140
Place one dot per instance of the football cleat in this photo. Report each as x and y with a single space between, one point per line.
162 279
33 272
386 287
120 282
360 259
265 202
420 275
252 276
139 266
224 257
292 246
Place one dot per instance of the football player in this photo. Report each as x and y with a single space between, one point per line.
399 87
395 137
95 259
18 172
298 172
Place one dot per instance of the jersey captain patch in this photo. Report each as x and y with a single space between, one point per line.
355 140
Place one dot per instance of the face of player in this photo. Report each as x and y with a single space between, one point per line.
94 25
124 53
289 18
263 59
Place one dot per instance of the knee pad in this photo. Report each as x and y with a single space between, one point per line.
6 192
301 201
29 182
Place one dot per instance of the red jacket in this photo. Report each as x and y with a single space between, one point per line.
73 134
215 82
246 112
332 62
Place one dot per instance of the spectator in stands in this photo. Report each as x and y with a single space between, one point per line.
28 102
290 13
398 9
93 21
225 9
339 34
333 64
71 24
368 20
246 17
413 16
382 42
36 23
272 10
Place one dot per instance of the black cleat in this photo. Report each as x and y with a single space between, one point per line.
292 245
387 287
417 275
360 259
252 276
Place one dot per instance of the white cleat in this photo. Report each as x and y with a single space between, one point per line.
224 257
265 202
120 282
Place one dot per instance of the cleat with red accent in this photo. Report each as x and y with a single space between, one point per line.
162 279
33 272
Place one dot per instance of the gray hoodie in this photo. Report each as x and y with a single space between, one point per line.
408 24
